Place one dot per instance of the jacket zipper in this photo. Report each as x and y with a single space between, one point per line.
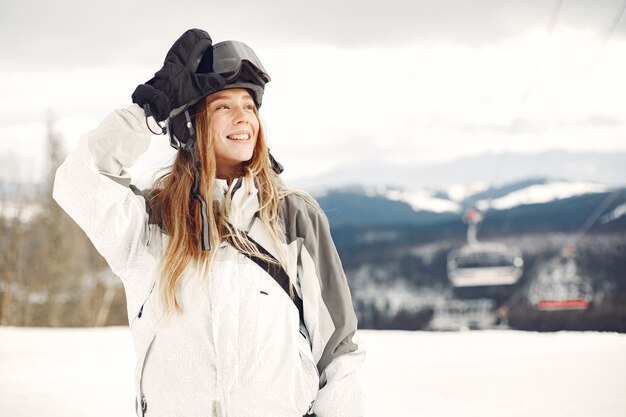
144 406
144 303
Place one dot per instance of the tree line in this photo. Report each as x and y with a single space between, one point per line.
50 273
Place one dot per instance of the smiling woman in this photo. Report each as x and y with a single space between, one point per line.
234 129
236 297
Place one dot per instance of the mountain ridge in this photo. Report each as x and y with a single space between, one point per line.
393 205
602 167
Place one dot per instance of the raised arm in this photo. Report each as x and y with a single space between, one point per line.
93 187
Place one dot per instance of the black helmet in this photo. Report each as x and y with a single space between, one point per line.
237 63
240 67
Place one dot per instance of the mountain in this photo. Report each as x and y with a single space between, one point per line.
394 245
601 167
392 205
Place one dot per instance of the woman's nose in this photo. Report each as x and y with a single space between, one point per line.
241 115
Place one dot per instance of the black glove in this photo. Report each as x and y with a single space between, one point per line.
177 84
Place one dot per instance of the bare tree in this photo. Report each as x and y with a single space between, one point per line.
11 231
67 263
50 273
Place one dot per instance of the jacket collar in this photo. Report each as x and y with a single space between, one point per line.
244 200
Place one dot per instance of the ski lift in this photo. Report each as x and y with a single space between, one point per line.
454 315
483 263
558 286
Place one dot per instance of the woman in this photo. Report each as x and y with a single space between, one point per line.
236 298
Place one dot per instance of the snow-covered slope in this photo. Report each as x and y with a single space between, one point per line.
542 193
481 195
88 373
459 192
423 200
420 199
615 214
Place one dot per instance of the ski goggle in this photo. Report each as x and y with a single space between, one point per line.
228 58
237 63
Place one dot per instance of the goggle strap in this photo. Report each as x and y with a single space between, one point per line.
277 167
206 242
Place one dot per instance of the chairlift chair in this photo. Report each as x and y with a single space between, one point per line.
558 286
484 264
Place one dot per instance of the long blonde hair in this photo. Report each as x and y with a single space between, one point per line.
173 208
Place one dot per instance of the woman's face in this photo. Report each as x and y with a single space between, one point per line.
235 129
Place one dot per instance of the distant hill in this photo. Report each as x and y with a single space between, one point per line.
394 247
605 168
540 201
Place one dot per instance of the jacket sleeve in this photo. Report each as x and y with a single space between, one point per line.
330 318
93 188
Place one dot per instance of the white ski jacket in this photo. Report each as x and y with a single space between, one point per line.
238 350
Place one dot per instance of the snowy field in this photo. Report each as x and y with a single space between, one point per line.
87 373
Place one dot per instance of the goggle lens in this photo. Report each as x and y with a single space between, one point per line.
229 57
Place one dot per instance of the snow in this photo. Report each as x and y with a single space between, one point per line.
66 372
542 193
422 200
88 373
459 192
615 214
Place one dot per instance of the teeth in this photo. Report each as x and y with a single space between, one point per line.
244 136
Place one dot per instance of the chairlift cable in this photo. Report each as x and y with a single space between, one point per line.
517 295
592 67
462 275
533 80
595 215
514 127
584 227
606 39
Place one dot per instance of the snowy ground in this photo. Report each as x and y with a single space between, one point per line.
87 373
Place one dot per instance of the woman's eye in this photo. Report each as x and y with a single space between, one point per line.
222 106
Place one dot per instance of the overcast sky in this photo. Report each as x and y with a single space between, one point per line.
353 82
